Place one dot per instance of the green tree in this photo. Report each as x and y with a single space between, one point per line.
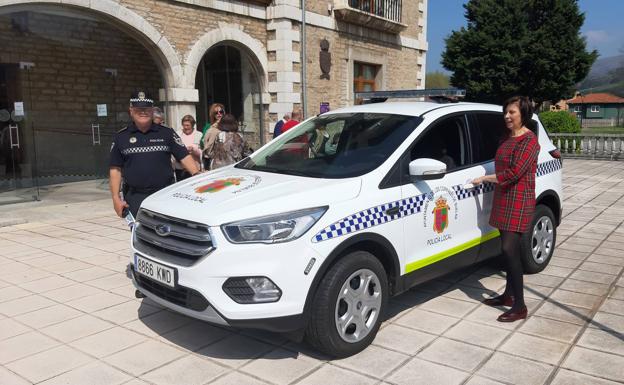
560 121
510 47
437 79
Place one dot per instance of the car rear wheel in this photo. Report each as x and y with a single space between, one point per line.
538 244
348 306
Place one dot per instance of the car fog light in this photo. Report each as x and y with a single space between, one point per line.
252 290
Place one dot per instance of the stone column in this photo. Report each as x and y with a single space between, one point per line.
179 102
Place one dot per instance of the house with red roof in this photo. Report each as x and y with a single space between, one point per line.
598 106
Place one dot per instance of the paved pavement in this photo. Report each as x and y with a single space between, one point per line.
68 314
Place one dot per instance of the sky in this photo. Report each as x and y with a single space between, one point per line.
602 28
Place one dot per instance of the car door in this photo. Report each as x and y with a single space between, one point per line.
486 129
443 235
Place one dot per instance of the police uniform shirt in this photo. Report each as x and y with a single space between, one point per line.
146 157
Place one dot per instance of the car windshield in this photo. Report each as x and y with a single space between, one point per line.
334 145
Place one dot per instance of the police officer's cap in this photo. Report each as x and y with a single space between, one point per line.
141 99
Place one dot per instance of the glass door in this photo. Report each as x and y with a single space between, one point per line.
17 155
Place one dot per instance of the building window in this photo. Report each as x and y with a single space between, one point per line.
595 108
364 76
577 108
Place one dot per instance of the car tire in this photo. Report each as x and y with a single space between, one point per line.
348 306
538 244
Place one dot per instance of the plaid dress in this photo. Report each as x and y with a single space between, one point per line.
514 195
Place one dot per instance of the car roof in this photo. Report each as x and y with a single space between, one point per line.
415 108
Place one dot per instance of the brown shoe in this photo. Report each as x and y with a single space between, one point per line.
511 316
501 300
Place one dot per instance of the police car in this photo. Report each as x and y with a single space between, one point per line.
314 232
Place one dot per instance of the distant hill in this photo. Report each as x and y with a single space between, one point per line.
600 79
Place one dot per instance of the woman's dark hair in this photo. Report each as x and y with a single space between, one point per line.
525 107
228 123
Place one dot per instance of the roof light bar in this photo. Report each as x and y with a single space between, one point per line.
436 94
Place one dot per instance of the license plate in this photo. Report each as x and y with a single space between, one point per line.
155 271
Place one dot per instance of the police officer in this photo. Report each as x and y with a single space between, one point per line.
142 153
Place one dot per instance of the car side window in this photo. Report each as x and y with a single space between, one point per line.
487 135
445 141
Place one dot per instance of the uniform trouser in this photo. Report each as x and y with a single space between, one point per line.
134 200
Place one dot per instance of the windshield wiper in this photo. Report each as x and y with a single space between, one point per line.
279 171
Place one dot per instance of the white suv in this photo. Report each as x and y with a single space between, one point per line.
318 228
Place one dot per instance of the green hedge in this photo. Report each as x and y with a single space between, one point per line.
560 121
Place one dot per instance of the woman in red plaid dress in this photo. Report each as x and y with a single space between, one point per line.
514 200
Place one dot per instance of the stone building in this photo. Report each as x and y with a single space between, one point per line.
67 68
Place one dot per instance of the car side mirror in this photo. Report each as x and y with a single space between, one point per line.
426 169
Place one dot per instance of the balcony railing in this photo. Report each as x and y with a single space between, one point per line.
383 15
387 9
592 146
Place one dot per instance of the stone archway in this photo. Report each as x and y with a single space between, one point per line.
126 20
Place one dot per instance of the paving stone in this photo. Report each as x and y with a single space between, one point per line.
532 291
47 284
550 329
76 328
448 306
186 370
281 366
195 335
606 341
235 378
418 371
618 294
329 374
235 350
375 361
573 298
24 305
10 328
455 354
613 306
69 293
543 280
23 345
565 262
557 271
584 287
487 315
604 259
48 364
600 268
469 294
483 282
477 334
402 339
594 363
578 255
108 342
144 357
89 274
158 323
48 316
477 380
97 302
96 373
590 276
608 321
534 348
126 312
10 378
568 377
426 321
515 370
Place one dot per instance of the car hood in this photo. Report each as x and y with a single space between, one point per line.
231 194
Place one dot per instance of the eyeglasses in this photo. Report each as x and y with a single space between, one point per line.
219 112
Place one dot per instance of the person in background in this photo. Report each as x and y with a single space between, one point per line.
294 120
514 200
228 146
141 154
278 126
159 117
210 131
191 139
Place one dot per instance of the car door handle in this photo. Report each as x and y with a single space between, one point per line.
392 211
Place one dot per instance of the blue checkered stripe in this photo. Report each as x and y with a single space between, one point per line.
371 217
548 167
463 193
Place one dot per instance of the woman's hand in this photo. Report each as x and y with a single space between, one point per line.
477 181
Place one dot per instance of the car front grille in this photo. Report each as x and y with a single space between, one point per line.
180 295
170 239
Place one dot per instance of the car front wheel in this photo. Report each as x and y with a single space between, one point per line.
348 306
538 244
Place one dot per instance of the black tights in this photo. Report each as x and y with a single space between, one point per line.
513 264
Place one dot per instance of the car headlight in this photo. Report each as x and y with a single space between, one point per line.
273 228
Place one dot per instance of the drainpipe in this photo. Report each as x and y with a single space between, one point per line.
303 60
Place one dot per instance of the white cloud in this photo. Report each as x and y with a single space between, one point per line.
597 37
